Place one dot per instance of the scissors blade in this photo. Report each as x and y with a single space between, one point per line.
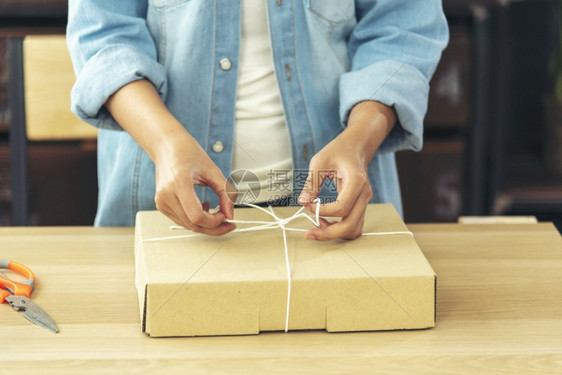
32 312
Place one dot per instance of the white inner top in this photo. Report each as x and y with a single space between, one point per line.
261 138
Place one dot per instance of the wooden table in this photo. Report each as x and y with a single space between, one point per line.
499 311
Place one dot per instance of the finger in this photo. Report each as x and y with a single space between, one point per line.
224 228
206 206
350 227
194 210
165 209
181 219
312 186
165 202
180 213
313 233
225 191
352 187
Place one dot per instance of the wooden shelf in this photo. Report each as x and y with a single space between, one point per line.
531 192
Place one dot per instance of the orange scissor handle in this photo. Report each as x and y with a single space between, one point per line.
3 295
16 288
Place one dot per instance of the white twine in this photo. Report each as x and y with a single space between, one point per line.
265 225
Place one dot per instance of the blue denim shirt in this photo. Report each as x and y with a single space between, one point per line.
329 55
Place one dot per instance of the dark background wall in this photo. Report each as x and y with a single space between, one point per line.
487 99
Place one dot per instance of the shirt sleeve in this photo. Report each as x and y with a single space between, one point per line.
395 48
110 46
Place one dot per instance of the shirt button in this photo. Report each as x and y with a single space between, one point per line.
288 72
218 147
225 63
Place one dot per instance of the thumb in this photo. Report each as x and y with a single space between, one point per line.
311 187
225 192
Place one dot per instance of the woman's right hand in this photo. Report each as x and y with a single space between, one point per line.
179 166
180 161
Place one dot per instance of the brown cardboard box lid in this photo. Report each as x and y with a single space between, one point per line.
237 283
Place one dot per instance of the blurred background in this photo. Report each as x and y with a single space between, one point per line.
493 132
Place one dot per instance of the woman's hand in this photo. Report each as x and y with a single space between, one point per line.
345 159
180 161
180 165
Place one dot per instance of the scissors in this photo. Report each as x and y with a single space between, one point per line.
17 294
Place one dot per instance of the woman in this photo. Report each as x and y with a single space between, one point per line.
310 90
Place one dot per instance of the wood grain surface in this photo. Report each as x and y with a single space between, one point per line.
499 311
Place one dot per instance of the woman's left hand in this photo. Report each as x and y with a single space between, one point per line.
345 160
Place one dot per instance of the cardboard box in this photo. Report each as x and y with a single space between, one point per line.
237 284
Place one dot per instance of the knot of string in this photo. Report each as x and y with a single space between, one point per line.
277 223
